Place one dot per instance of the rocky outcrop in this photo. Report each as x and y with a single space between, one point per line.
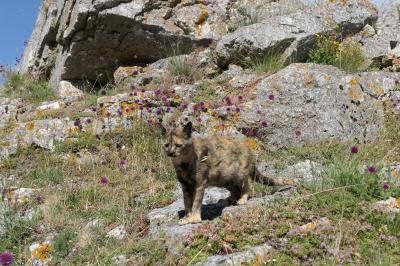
294 34
85 39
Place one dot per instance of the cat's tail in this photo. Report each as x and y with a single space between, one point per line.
270 181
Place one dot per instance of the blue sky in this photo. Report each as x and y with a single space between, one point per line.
17 18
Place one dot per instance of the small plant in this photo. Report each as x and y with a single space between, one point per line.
331 50
28 88
267 62
63 243
180 67
47 175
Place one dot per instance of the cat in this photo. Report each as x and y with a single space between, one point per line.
212 161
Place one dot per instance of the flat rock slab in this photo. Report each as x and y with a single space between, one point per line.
165 220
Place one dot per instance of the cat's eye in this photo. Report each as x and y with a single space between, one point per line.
166 145
178 145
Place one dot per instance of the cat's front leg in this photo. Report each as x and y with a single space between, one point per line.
195 215
188 196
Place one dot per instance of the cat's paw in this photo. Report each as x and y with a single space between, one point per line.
191 219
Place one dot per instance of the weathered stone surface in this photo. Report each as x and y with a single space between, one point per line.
8 110
51 106
254 256
69 93
118 232
40 253
165 220
310 103
89 39
387 36
302 171
391 206
246 12
293 34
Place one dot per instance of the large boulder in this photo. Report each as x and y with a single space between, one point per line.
306 103
87 39
294 34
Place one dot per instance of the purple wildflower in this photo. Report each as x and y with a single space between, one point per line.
143 90
354 149
264 123
164 98
228 100
131 94
122 162
385 186
152 170
88 121
195 107
149 109
173 91
77 123
141 108
94 109
40 199
204 109
119 113
159 111
157 92
228 109
240 97
297 132
259 112
104 180
201 103
98 136
371 169
271 97
168 109
237 110
184 106
6 258
134 93
149 121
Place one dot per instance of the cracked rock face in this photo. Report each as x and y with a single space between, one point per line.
84 39
293 34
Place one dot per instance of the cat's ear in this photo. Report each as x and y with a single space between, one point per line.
187 129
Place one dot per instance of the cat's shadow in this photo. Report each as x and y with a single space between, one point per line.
208 211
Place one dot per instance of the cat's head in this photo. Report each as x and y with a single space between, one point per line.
178 140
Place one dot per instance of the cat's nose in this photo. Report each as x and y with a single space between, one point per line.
170 154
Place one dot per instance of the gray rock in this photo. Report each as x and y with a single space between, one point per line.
69 93
387 37
257 253
302 171
51 106
118 232
8 110
293 34
306 103
84 39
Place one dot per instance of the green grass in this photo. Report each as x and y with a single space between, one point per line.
63 243
28 88
205 92
46 176
268 62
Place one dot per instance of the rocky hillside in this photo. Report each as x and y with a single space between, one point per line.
313 89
